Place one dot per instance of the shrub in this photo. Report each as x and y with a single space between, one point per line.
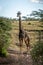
37 54
29 23
5 27
3 52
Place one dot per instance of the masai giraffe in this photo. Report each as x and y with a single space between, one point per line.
22 34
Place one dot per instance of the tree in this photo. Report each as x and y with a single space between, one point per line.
38 14
25 18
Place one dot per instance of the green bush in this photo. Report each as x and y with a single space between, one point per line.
29 23
37 54
3 52
5 27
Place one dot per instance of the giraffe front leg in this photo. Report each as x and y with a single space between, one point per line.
27 49
21 42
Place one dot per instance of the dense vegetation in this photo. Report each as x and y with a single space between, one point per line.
5 27
37 54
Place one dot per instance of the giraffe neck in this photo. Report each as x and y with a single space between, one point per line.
20 24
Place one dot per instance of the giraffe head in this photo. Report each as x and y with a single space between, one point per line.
18 14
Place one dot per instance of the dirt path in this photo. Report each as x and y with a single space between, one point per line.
15 58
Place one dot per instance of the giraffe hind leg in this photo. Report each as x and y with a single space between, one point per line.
27 43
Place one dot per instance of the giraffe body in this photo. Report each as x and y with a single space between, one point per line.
24 36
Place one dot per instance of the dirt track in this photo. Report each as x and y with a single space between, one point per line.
16 59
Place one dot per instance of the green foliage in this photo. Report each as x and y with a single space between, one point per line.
37 54
38 14
3 52
5 27
5 24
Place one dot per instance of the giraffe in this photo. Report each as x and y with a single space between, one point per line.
22 34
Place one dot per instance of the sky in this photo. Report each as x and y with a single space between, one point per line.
9 8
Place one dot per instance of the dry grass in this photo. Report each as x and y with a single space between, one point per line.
34 25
